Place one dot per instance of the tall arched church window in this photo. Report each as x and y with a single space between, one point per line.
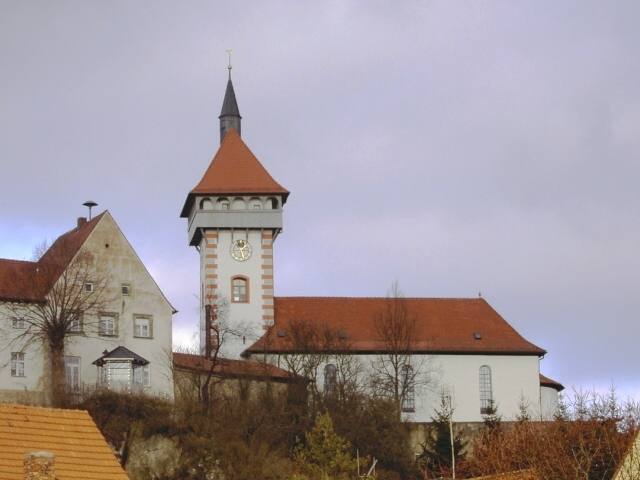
330 379
408 390
240 289
486 390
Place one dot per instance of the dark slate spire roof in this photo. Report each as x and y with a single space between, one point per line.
230 105
230 115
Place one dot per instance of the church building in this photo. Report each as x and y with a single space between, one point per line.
459 348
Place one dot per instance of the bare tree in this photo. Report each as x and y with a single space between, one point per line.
396 371
73 290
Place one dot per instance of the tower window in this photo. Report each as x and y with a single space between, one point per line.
272 203
223 204
486 390
240 289
205 204
255 204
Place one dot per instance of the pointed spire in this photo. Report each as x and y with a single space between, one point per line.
230 114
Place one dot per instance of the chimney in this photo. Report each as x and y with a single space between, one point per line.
81 221
39 466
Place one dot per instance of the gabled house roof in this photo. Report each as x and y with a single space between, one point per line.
234 170
225 367
80 450
442 325
22 281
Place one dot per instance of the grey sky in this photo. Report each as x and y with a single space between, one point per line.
455 147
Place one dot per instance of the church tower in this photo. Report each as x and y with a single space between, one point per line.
234 215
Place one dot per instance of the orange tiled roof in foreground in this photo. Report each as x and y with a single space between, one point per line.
443 325
81 452
232 368
23 281
234 170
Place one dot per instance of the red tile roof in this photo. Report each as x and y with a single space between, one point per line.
548 382
443 325
232 368
80 450
22 281
234 170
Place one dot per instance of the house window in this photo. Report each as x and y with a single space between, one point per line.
330 379
125 288
141 375
17 364
407 377
72 373
240 290
18 323
75 324
88 287
116 375
142 326
108 325
486 390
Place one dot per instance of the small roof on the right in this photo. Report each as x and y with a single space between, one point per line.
442 325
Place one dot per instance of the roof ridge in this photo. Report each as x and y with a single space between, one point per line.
330 297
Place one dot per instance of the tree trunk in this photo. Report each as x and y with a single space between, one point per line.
58 374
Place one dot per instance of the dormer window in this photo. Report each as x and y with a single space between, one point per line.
240 289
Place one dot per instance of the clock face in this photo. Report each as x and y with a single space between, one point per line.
240 250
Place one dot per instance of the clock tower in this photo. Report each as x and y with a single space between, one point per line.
234 214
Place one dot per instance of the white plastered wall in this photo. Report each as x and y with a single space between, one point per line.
245 319
515 378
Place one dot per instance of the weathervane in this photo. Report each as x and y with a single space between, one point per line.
229 67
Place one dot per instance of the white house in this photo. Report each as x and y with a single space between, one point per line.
464 347
126 345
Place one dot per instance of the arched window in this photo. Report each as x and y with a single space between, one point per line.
486 390
255 204
223 204
240 289
271 204
408 389
330 379
205 204
239 204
